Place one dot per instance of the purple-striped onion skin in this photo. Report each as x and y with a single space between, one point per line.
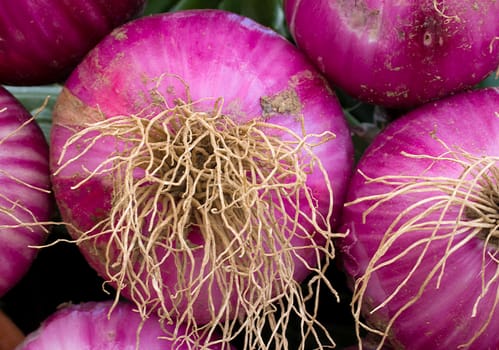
25 198
462 311
41 41
398 53
217 55
94 325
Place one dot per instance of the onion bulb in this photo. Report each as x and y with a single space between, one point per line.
422 214
398 53
25 196
200 162
103 326
41 41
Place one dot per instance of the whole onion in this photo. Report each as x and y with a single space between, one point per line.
25 199
422 213
200 162
104 326
41 41
398 53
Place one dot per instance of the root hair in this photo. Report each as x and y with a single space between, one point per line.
473 196
243 188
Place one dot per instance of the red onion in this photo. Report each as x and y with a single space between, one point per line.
196 157
25 199
423 214
100 325
42 41
398 53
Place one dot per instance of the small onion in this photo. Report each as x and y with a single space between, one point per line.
25 199
103 326
200 162
422 213
41 41
398 53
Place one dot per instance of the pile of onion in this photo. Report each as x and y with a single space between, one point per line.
42 41
422 214
398 53
102 325
25 199
200 162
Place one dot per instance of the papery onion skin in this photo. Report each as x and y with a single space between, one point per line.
42 41
398 54
216 54
441 318
92 325
24 162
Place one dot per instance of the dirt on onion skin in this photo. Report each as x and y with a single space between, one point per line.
75 112
285 102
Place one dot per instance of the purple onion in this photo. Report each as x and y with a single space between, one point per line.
398 53
422 214
100 325
215 68
25 199
41 41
